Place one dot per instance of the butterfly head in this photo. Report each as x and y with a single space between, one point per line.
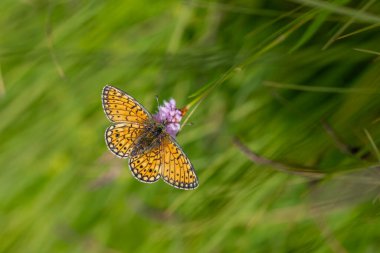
170 116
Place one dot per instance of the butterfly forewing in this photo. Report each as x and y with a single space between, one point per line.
120 107
176 168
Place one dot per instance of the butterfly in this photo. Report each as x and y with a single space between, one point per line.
152 152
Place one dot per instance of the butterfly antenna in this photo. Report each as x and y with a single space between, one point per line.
158 104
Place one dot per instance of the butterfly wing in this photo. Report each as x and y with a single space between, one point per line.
122 137
120 107
145 167
176 168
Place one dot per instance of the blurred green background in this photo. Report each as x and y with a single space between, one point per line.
297 82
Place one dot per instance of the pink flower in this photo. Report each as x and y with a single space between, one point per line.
170 116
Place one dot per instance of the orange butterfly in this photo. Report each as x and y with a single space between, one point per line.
152 151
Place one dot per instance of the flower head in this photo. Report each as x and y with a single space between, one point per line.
169 115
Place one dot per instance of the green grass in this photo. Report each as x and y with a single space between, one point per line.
296 81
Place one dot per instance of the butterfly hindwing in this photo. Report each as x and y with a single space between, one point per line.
146 166
121 138
120 107
176 168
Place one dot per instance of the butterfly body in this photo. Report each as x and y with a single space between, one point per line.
150 139
152 152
